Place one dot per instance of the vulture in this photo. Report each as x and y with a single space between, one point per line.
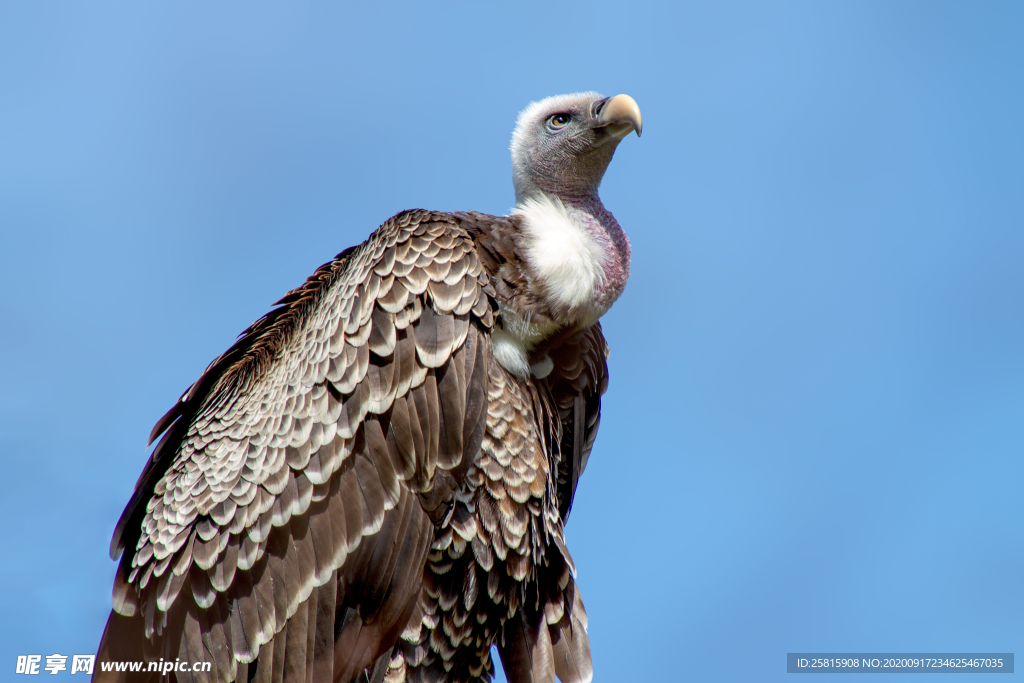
372 483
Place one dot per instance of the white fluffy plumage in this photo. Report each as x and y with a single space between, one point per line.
510 353
562 252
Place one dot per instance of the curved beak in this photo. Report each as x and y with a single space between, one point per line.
618 115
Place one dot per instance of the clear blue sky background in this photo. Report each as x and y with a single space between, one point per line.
813 437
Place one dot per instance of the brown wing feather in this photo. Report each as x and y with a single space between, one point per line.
281 517
579 379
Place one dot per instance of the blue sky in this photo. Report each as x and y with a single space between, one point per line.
812 440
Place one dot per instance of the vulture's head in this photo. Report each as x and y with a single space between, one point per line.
562 144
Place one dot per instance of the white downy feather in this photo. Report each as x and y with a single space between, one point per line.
562 252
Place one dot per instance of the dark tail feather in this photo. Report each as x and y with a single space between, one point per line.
535 651
570 644
526 653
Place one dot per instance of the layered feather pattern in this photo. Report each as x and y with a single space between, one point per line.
358 489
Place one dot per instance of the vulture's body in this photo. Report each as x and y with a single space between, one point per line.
372 483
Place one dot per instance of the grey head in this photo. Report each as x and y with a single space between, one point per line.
562 145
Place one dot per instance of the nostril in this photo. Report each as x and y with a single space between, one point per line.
596 108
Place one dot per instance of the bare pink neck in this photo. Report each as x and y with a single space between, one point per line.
608 233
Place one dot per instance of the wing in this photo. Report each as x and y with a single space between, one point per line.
280 527
577 382
553 638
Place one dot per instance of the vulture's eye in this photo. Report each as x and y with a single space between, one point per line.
558 121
